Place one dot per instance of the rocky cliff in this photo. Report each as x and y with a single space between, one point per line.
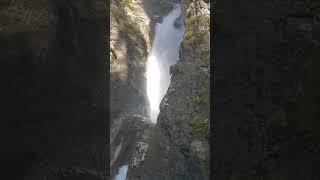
179 143
266 102
184 111
132 24
53 75
129 46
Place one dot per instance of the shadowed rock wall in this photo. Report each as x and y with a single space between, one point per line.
265 97
53 72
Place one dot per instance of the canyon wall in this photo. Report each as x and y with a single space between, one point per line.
131 31
185 110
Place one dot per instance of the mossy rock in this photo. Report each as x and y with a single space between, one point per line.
205 56
189 34
185 5
196 21
127 4
203 99
117 13
125 23
192 40
193 35
206 167
198 125
128 28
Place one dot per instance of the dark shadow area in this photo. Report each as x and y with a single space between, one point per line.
266 90
54 112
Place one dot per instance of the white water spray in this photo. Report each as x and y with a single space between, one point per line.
165 52
122 173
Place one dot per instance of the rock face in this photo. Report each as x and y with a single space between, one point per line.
52 66
129 47
266 90
140 155
184 111
129 142
153 162
179 143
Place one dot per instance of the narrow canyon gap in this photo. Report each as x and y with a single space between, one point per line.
165 52
159 56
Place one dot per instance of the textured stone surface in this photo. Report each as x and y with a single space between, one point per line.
140 154
184 111
129 47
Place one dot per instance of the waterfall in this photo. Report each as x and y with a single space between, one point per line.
122 173
116 154
165 52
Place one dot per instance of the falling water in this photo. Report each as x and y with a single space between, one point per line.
165 52
122 173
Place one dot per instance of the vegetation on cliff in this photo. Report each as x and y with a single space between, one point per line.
184 113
